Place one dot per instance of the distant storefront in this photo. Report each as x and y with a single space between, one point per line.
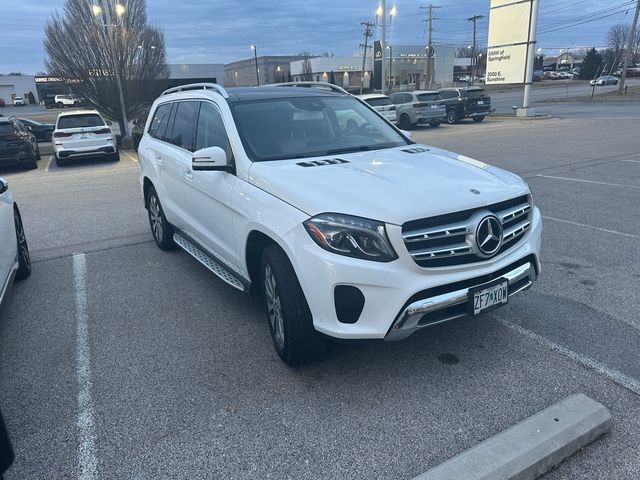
345 72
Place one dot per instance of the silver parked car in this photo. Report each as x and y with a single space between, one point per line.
418 108
382 104
14 252
604 80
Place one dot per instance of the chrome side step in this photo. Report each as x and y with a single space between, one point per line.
219 270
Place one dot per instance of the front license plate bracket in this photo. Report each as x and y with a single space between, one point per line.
488 296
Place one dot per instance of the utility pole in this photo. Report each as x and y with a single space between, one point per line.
429 64
474 19
367 34
630 47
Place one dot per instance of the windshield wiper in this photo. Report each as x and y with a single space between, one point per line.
359 148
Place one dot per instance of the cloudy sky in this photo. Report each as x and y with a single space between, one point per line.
220 31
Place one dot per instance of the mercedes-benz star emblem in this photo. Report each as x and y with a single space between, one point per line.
474 191
489 235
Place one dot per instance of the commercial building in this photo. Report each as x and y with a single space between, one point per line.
406 66
179 74
18 86
271 69
341 71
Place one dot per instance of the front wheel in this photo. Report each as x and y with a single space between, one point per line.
434 124
161 229
452 116
405 122
290 320
478 119
60 105
24 259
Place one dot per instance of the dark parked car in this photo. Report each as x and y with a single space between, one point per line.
42 131
465 102
2 103
18 146
138 125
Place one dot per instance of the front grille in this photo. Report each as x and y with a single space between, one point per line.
447 240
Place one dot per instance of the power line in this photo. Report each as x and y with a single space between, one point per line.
554 29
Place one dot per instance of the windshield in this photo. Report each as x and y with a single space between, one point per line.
428 97
79 121
279 129
378 102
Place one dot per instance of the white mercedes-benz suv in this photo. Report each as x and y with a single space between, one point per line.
347 233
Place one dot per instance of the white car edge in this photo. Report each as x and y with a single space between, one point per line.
15 261
90 137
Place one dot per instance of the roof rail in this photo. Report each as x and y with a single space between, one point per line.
197 86
329 86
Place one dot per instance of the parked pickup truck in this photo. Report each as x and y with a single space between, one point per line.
465 102
345 233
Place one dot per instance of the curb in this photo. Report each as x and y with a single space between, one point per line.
530 448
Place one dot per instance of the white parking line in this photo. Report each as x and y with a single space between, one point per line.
611 373
49 164
590 181
131 157
631 161
87 460
615 232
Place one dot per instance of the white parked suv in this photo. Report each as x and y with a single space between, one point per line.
18 101
350 234
14 251
62 101
382 104
81 134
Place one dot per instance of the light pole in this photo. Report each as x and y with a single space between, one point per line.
381 21
120 10
255 59
390 67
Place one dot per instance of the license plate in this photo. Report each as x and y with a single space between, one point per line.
485 297
435 107
480 102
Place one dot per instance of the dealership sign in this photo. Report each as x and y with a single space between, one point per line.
509 41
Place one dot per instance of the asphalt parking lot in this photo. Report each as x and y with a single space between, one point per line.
150 367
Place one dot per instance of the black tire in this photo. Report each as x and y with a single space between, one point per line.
404 122
61 162
24 259
161 229
288 314
478 119
434 124
115 157
38 156
76 104
452 116
60 105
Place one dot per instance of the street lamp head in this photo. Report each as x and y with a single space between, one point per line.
253 47
379 11
393 11
120 9
96 10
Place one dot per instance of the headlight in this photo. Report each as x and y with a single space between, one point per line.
351 236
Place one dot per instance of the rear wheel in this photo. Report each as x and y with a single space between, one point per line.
478 119
452 116
434 124
38 156
60 105
161 229
61 162
24 259
115 157
405 122
290 320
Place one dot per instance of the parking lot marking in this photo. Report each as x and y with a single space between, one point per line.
131 157
631 161
615 232
589 181
612 374
87 460
49 164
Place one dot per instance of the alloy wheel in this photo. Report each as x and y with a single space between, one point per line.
155 216
23 248
274 307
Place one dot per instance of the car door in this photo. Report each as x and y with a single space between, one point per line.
8 247
209 193
174 156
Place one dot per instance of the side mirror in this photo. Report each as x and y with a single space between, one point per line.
407 134
211 159
4 185
29 128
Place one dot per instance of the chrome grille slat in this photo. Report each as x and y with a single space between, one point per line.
449 239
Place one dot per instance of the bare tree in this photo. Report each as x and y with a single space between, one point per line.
617 38
307 70
86 53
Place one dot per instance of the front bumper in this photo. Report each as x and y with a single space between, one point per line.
395 293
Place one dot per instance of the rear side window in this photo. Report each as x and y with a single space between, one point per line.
80 121
428 97
210 131
378 102
6 129
448 94
160 119
183 125
475 93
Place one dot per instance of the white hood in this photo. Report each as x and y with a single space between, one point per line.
391 185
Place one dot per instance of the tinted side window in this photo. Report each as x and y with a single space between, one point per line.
183 125
159 122
210 131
